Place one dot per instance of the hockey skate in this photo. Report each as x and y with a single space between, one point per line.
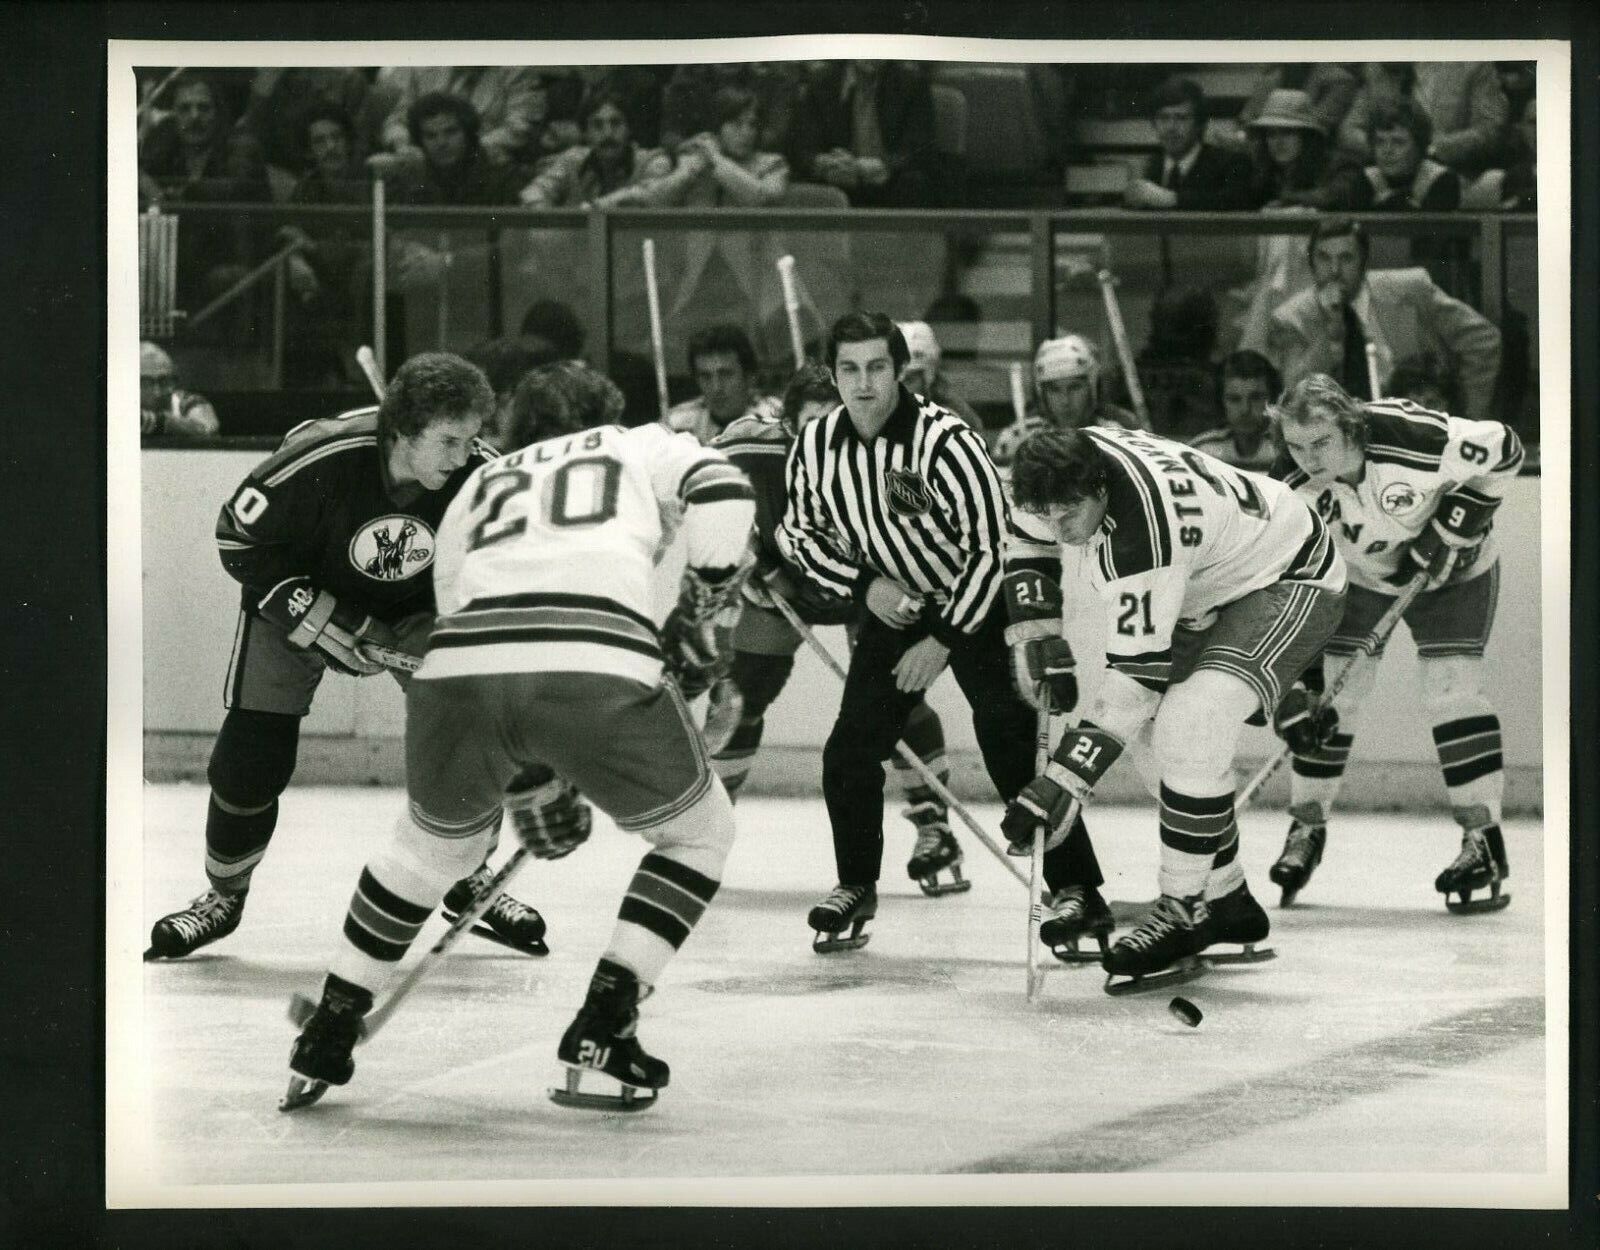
600 1042
1163 951
851 905
321 1055
205 920
1302 852
1481 865
1236 917
508 921
936 850
1077 912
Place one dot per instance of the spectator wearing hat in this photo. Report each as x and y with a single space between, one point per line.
922 376
1293 167
1330 85
1400 312
1402 176
608 169
164 407
1188 173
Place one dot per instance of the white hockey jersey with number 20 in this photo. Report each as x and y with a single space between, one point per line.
549 559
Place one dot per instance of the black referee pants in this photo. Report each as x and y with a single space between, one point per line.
872 717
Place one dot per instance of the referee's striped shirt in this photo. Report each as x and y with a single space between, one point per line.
921 503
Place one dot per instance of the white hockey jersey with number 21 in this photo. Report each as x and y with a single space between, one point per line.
549 558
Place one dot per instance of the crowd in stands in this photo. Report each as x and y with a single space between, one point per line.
1323 139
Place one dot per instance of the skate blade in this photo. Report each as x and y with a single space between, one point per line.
302 1092
1466 905
537 948
1251 954
935 888
1188 969
822 944
302 1007
1073 954
630 1097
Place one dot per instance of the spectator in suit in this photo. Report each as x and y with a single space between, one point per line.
866 127
166 408
1401 312
455 168
1246 384
507 100
1292 164
608 169
1402 176
1188 173
722 166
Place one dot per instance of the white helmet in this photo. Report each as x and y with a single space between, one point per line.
153 361
924 348
1070 356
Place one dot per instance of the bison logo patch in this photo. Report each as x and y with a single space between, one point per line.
1398 497
392 548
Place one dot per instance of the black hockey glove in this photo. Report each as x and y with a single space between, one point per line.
1040 657
692 655
1304 725
316 619
1081 758
550 818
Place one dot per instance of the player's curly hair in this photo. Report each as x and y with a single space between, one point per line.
1053 467
811 384
433 386
438 103
1317 397
562 398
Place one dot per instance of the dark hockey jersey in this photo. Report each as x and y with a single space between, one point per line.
323 506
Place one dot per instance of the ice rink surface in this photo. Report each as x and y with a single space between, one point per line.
1387 1037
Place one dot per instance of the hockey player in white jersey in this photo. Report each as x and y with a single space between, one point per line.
1406 491
1222 587
544 679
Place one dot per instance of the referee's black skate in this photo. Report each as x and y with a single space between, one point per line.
1078 912
1236 917
322 1054
600 1044
508 921
1302 852
936 851
1481 865
1162 951
211 916
846 905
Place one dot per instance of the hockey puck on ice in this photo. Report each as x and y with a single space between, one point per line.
1186 1011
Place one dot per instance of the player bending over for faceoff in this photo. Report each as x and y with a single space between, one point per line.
1404 491
1222 587
545 674
332 537
764 643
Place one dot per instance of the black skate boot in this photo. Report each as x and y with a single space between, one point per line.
508 921
1079 912
321 1055
851 905
936 850
1161 951
1302 852
205 920
1481 865
1237 917
601 1040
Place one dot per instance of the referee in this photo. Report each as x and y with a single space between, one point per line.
894 501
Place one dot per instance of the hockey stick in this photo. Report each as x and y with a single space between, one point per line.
1119 336
1375 640
657 341
369 366
791 308
301 1006
1372 370
390 657
1041 759
912 759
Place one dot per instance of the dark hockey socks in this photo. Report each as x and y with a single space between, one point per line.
236 839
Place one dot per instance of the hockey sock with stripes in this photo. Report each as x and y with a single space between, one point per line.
924 734
1227 873
664 902
236 839
1472 760
1194 828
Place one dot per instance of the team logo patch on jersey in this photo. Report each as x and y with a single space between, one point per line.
1398 497
908 493
392 548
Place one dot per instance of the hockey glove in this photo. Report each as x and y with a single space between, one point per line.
1080 760
691 653
1040 656
315 618
1449 543
550 818
1304 724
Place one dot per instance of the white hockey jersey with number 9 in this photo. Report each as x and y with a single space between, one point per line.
1185 534
1413 458
549 559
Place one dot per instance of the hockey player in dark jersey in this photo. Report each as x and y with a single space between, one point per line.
331 539
764 644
